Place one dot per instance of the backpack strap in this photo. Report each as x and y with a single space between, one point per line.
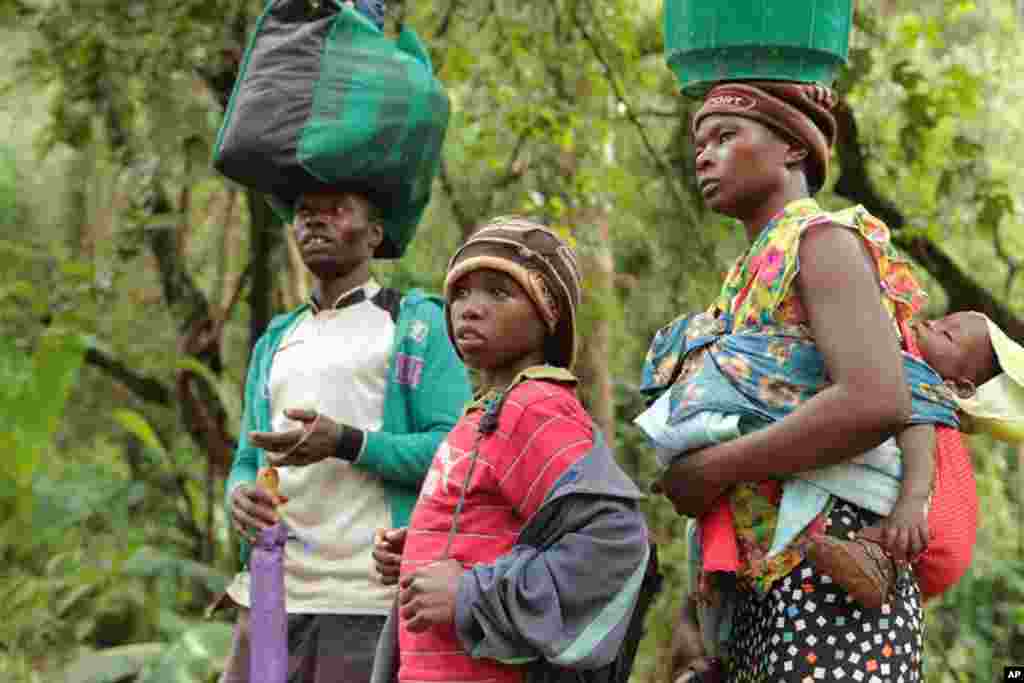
390 300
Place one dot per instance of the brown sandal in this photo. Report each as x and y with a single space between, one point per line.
702 670
860 566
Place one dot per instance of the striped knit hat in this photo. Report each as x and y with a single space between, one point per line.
541 263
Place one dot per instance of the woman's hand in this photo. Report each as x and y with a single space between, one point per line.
688 484
427 596
316 439
388 545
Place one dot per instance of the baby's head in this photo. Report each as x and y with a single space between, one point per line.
959 347
969 349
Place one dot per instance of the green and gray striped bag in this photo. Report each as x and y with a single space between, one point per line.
325 100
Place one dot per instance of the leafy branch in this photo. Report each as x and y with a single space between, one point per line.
146 388
620 97
855 184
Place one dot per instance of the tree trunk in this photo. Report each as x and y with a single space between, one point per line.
598 270
82 168
264 238
227 263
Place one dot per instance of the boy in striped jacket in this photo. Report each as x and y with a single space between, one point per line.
526 551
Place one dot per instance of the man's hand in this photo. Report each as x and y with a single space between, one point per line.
388 545
904 533
252 509
427 596
316 439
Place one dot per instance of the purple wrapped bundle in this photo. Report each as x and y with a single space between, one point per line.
268 622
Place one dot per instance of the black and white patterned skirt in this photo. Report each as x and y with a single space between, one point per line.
807 629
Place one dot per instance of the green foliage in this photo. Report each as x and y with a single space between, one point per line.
113 664
8 188
935 99
562 110
195 656
192 658
36 388
227 392
136 425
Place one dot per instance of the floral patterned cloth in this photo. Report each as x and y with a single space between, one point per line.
758 297
759 288
736 383
763 372
759 291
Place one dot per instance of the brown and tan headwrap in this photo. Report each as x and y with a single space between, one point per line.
800 111
540 262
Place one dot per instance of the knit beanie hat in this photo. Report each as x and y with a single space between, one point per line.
540 262
799 111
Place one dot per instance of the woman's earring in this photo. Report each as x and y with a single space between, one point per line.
962 387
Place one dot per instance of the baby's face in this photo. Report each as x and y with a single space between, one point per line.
958 347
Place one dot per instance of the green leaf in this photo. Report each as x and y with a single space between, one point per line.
994 207
35 412
150 562
138 425
193 658
906 74
114 664
19 289
62 503
78 270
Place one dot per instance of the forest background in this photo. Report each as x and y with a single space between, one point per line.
134 279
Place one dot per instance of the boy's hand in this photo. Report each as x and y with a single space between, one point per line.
427 596
315 440
388 545
904 533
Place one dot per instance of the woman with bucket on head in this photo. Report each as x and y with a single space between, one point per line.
767 367
763 139
762 150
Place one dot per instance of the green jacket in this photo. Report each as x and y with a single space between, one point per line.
425 395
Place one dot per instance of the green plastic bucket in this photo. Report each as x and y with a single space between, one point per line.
708 41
